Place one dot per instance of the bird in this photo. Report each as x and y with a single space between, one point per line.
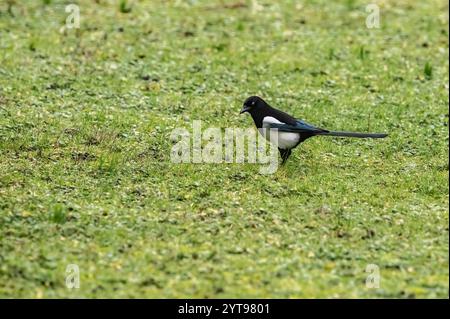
287 131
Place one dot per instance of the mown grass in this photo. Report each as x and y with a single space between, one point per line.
85 171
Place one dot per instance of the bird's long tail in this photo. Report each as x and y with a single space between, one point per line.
354 134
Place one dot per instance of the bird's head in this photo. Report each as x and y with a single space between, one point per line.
252 104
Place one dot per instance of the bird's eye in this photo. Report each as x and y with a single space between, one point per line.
253 102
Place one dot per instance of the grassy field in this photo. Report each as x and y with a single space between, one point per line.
85 170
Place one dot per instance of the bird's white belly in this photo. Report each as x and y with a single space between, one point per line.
284 140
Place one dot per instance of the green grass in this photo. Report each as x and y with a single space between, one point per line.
85 171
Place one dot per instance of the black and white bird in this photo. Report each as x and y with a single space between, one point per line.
287 131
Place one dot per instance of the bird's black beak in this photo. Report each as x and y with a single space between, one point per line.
244 109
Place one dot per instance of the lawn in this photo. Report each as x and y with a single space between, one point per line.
86 176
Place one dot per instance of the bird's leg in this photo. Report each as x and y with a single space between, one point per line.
284 155
281 155
288 153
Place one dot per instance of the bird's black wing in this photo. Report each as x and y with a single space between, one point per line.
299 127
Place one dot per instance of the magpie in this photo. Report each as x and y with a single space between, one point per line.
287 131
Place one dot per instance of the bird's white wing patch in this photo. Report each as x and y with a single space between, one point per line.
284 140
